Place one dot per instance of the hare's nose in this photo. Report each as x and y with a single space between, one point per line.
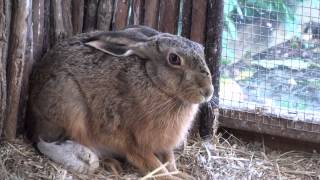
207 92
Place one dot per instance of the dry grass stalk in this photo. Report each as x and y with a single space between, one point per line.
218 158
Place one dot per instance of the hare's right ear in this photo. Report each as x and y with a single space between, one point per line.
120 43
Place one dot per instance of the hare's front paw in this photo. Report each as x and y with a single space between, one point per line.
71 155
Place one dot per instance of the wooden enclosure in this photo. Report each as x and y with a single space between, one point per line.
30 27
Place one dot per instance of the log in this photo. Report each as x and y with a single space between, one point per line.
168 16
77 15
151 12
62 24
16 63
104 15
198 22
90 15
137 13
5 17
213 56
186 18
38 15
121 14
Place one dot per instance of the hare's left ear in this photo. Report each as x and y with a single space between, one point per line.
121 43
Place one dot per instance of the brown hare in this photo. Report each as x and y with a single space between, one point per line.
131 94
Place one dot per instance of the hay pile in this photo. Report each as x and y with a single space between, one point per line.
228 158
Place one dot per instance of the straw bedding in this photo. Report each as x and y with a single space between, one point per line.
217 158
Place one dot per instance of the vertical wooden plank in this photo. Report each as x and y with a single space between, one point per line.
16 63
90 15
121 14
46 26
186 18
38 28
5 17
137 13
213 57
151 13
62 24
168 16
77 15
104 15
198 25
29 61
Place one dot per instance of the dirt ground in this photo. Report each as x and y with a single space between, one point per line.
222 157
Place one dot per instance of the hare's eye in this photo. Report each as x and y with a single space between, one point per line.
174 59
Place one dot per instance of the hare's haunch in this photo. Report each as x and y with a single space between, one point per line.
131 93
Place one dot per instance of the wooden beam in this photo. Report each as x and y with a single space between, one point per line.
77 15
121 14
213 48
90 15
104 15
198 22
168 16
151 13
16 63
5 7
186 18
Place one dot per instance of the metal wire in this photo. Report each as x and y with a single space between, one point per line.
271 60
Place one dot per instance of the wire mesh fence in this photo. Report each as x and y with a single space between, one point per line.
271 61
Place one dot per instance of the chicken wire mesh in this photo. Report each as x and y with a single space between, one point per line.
271 61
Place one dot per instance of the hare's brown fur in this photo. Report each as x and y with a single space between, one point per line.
107 103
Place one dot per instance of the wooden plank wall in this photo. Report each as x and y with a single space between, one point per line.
28 28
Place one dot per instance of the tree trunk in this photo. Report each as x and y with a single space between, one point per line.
5 17
213 55
151 12
90 15
169 14
198 27
77 15
121 14
104 15
16 63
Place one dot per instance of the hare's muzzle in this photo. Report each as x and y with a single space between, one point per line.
207 92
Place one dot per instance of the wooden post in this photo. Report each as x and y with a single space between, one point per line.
137 13
198 25
62 24
5 16
168 16
90 15
38 27
151 12
121 11
46 26
104 15
16 63
209 111
77 15
186 18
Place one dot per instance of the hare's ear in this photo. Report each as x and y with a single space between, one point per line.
120 43
145 30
